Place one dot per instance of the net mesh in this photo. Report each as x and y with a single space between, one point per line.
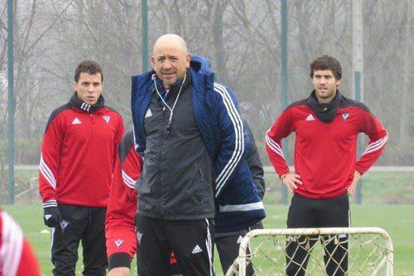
329 251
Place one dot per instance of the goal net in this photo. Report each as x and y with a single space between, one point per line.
315 251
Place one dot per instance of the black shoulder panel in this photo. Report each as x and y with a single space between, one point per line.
127 142
55 113
350 102
297 103
113 110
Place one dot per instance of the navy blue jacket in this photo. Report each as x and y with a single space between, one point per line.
226 140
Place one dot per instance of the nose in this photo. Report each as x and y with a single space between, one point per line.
166 64
91 89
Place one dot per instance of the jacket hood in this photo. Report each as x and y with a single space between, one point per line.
200 64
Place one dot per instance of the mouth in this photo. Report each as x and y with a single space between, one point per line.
168 74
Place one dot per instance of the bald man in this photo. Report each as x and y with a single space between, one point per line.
191 137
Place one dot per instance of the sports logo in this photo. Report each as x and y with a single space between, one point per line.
76 121
239 240
106 118
310 118
63 225
196 250
343 236
118 243
345 116
148 114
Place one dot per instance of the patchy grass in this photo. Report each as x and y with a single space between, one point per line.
397 220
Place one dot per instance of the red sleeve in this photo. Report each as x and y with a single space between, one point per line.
122 206
49 161
280 129
118 136
16 255
378 137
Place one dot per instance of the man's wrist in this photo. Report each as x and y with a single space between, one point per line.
283 176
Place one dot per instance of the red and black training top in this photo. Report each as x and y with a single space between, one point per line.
325 153
78 154
122 206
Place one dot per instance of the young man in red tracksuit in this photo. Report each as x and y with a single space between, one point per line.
121 240
16 255
326 170
77 159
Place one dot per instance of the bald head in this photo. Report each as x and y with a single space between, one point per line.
170 59
172 40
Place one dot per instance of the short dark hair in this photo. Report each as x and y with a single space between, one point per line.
88 66
326 62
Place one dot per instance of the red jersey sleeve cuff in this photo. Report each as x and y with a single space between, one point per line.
360 170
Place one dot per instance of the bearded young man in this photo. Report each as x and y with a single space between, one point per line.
326 170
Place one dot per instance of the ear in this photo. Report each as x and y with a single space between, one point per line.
75 85
188 59
153 61
338 82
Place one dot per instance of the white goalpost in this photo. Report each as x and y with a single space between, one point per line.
362 251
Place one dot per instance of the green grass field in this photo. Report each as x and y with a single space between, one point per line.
397 220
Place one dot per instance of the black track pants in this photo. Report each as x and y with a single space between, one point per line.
79 224
190 240
309 213
228 250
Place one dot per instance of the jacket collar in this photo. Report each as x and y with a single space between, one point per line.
174 88
81 105
325 112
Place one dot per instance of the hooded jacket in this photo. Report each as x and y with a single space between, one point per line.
224 136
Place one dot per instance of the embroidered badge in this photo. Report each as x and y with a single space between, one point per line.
345 116
118 243
106 118
63 225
